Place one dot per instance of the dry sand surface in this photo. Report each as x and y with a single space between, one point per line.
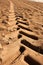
21 32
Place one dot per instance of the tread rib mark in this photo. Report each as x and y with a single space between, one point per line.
24 28
23 22
31 61
28 44
28 35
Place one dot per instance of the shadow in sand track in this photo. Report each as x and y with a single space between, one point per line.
22 49
19 36
28 44
29 35
23 23
25 28
30 60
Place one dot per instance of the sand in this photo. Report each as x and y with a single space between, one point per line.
21 32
